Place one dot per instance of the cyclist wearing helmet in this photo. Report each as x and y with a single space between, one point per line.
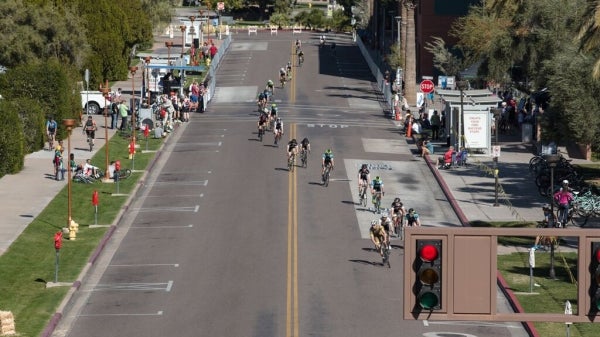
270 86
327 160
292 148
305 145
412 218
398 214
289 69
387 224
282 74
378 235
364 176
278 129
377 186
563 198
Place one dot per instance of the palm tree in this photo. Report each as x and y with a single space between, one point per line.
589 32
409 48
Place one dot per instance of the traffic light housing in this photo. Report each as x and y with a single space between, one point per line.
428 269
595 279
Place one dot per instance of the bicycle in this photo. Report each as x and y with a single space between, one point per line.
326 174
282 81
304 158
377 201
277 137
384 250
291 163
362 195
261 133
90 141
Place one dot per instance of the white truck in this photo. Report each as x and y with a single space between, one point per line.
93 102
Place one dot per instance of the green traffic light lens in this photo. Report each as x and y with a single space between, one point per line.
428 300
429 276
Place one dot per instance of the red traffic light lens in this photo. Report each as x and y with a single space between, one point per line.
597 255
429 253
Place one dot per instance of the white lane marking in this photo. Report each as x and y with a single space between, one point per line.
158 313
160 227
176 265
167 209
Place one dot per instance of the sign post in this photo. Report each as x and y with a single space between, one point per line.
495 156
57 245
95 202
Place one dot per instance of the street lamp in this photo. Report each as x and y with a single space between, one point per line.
147 61
398 22
132 70
200 27
169 44
69 124
552 160
105 92
182 28
462 85
192 29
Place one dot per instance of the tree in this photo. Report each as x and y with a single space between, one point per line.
11 142
443 59
589 32
409 47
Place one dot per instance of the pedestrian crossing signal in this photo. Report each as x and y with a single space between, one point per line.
595 282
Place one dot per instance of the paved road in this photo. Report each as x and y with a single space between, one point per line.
223 241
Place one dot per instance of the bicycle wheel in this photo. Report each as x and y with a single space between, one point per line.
291 164
304 159
326 177
124 174
386 255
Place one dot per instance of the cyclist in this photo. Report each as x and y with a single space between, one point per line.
322 40
51 127
377 187
327 160
262 121
412 218
305 145
300 56
289 69
273 113
364 176
563 198
282 75
262 100
298 45
378 235
90 129
387 224
270 86
398 214
292 148
278 129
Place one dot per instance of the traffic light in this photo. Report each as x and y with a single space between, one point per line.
595 275
428 266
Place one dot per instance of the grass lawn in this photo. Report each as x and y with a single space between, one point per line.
550 295
30 261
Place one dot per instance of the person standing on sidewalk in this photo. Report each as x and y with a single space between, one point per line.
436 123
123 112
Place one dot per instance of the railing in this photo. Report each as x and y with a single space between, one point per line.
252 29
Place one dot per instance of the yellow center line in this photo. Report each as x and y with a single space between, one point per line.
292 247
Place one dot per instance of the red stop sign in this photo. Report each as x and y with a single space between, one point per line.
427 86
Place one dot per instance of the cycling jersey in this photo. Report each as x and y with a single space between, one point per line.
412 218
397 207
377 232
90 125
305 143
291 147
51 125
327 157
273 112
364 174
377 185
262 119
278 126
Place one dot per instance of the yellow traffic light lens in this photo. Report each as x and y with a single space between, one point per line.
429 253
428 300
429 276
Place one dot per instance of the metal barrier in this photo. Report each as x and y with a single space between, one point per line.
381 85
253 29
212 70
296 30
273 30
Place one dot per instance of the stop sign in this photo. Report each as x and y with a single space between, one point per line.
427 86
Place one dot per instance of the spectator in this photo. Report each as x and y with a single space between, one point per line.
416 127
58 164
89 169
123 111
436 122
426 148
213 50
446 160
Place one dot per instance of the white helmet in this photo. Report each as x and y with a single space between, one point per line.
384 214
565 182
374 222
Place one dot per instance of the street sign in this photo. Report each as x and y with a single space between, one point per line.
496 151
427 86
221 6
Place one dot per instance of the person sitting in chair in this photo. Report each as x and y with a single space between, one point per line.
446 160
